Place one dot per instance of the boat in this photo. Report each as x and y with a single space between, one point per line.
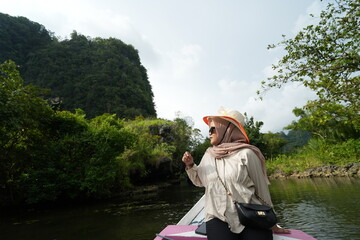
185 228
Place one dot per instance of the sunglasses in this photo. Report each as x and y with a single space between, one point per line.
211 130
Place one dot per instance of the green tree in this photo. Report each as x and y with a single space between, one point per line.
252 129
183 132
151 147
20 37
200 149
325 58
273 144
23 118
58 165
328 121
294 140
269 143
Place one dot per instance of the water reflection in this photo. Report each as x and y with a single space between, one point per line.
324 208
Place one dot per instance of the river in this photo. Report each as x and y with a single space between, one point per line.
324 208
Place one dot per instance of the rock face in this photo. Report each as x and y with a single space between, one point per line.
351 170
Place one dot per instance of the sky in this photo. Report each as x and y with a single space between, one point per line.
200 55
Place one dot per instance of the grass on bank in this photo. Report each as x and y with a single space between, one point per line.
316 153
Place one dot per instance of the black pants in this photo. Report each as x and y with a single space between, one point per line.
219 230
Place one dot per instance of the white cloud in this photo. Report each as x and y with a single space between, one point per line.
237 91
106 23
185 61
276 108
268 71
305 19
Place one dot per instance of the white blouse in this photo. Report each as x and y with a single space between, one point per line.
241 173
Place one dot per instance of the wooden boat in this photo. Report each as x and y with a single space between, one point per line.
185 228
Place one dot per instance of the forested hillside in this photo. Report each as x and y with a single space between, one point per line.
94 74
20 37
50 155
77 118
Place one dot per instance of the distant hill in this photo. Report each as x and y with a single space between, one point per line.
295 139
94 74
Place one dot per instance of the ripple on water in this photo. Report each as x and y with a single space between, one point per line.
324 208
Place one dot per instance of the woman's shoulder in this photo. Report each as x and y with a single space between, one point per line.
207 152
246 155
246 152
207 155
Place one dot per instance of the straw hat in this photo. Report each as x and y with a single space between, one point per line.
232 116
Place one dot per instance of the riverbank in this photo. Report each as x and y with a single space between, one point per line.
350 170
148 191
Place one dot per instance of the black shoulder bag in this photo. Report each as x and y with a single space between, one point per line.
253 215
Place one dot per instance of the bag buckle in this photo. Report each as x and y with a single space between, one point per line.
260 213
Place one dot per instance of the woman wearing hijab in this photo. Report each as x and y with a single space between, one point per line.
240 167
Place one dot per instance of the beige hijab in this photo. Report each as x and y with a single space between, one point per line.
231 140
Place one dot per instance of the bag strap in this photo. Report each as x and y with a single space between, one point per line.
229 193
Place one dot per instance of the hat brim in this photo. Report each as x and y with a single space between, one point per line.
233 121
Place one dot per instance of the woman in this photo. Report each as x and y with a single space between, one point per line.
233 162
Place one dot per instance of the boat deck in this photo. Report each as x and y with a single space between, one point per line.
187 232
185 229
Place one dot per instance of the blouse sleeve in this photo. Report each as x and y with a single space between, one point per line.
194 176
256 175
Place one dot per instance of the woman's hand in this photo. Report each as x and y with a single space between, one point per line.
188 160
278 229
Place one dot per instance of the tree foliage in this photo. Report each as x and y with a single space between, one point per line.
200 149
23 118
295 139
51 155
325 58
252 129
19 37
317 153
273 144
269 143
327 121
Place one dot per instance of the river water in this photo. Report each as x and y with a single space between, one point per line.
324 208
